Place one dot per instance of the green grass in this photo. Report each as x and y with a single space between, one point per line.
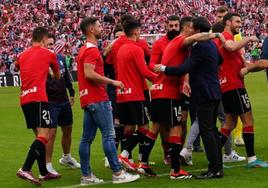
15 140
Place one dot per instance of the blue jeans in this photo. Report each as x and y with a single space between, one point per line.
98 115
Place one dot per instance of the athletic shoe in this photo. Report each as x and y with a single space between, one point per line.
239 142
106 162
52 170
233 157
257 164
49 176
90 180
69 161
126 163
27 175
151 163
186 156
124 177
146 170
180 175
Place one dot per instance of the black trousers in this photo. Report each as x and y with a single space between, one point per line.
207 118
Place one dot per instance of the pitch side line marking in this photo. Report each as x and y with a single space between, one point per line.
142 177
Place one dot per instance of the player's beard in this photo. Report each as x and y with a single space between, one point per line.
98 36
234 31
172 34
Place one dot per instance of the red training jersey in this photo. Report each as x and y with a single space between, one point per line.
230 69
131 71
34 64
169 86
89 91
157 51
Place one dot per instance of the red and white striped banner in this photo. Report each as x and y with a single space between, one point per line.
197 4
183 6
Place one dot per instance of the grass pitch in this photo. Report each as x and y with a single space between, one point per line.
15 140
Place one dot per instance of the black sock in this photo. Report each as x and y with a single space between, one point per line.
223 139
41 158
37 152
131 142
31 157
119 134
249 143
141 139
174 152
148 146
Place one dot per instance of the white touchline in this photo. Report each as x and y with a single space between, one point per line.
142 177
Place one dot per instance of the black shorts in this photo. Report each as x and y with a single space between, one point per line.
37 115
184 101
133 113
61 114
236 101
166 112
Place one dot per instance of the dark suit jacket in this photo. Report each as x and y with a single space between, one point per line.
202 66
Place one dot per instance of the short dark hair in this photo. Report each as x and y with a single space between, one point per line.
39 33
126 17
117 28
222 9
229 16
202 24
184 21
50 35
87 21
217 27
130 25
173 18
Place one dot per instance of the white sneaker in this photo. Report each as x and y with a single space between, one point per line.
106 162
124 177
69 161
51 169
187 156
90 180
233 157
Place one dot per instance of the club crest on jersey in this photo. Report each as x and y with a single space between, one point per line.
26 92
157 87
83 92
124 91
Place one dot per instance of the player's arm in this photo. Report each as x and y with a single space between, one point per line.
189 64
54 67
201 37
69 85
141 66
155 56
231 45
261 64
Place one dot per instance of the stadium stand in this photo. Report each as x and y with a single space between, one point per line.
18 18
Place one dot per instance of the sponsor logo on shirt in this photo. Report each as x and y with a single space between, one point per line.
27 91
83 92
157 87
124 91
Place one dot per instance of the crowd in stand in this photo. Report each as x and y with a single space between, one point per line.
18 18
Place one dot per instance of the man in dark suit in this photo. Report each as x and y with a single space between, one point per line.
202 66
